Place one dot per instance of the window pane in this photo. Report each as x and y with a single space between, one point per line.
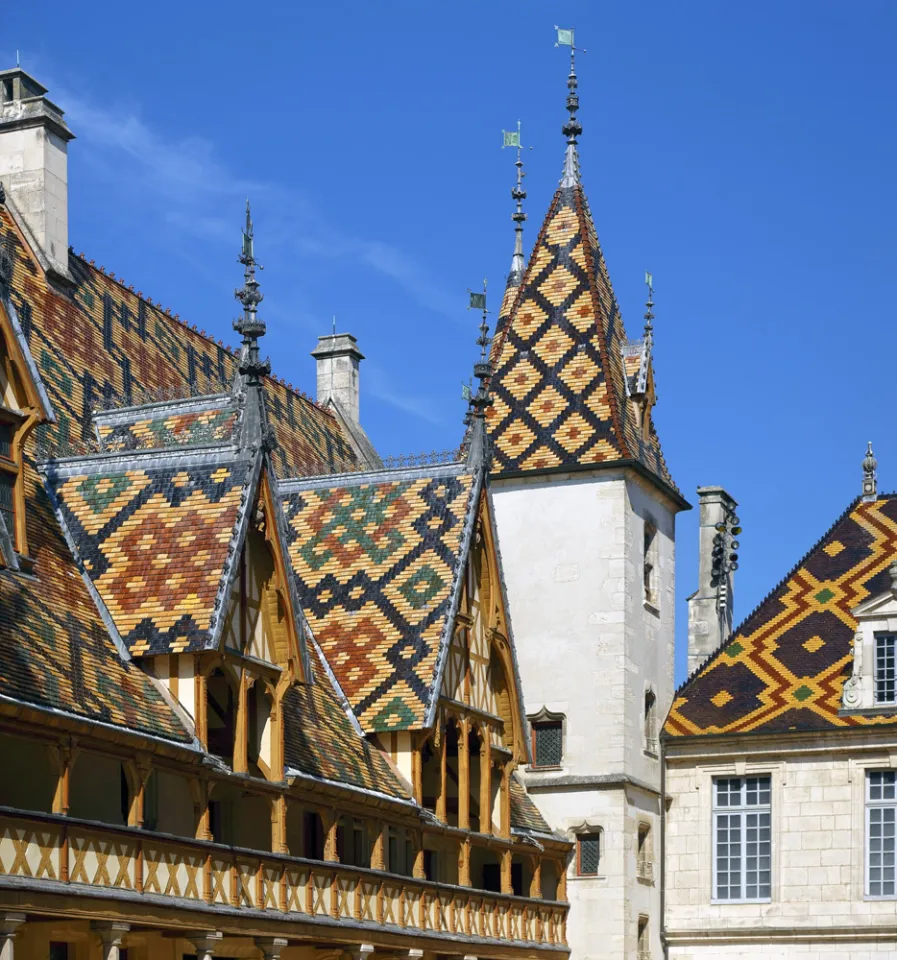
589 853
6 440
885 669
728 856
7 501
548 741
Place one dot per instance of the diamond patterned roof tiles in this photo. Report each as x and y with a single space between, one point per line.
559 386
784 668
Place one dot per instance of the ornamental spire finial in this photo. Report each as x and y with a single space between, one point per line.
572 128
479 402
511 138
870 479
250 326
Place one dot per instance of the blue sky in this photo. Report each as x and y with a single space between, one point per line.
744 153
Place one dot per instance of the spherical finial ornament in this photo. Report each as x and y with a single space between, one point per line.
869 462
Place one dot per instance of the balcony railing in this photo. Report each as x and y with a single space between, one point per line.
70 852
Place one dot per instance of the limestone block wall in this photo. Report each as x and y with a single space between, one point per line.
818 900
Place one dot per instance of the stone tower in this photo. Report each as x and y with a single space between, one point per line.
585 510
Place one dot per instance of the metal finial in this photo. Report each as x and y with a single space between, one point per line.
572 128
870 479
649 306
511 138
482 369
250 326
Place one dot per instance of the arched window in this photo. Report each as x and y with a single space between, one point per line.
649 563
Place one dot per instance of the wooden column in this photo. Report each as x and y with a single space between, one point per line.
486 781
329 819
418 872
276 721
279 825
418 742
241 745
63 757
505 801
442 800
561 868
464 775
464 864
507 886
200 790
535 887
378 851
201 704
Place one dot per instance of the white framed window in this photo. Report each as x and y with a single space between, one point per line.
885 668
742 839
881 819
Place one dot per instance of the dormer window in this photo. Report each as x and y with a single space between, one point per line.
886 669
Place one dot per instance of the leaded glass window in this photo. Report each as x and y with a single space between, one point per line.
886 668
742 841
8 501
588 854
548 744
881 818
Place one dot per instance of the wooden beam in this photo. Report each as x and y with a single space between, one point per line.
464 864
507 886
241 735
485 780
442 800
464 775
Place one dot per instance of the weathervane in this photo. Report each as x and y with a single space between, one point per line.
572 128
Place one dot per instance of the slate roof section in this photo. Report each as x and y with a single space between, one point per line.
560 398
107 342
321 741
55 650
525 815
153 534
376 559
784 668
187 423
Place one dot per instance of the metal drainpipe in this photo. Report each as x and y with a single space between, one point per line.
663 852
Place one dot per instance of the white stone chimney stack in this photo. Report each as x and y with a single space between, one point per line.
338 357
710 606
34 142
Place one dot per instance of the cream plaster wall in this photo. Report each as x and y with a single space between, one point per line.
588 647
818 851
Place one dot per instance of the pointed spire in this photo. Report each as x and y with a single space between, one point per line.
870 479
511 138
572 128
250 326
479 402
648 342
255 433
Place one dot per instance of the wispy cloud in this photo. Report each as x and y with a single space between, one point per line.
385 389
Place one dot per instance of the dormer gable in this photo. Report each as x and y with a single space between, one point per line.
872 684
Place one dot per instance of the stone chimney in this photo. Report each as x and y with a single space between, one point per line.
710 606
34 167
338 357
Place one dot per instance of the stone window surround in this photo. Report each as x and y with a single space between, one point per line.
707 773
875 616
588 826
858 770
870 804
743 810
544 715
651 554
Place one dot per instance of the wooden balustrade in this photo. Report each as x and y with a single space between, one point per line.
48 847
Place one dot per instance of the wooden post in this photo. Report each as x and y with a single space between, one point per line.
562 880
378 852
507 886
329 820
505 801
417 766
441 802
486 780
241 745
417 838
279 825
200 790
464 864
464 775
535 887
63 757
201 705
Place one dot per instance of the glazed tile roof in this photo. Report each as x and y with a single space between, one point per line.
153 536
559 386
108 342
55 651
784 668
376 560
525 814
169 426
321 741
